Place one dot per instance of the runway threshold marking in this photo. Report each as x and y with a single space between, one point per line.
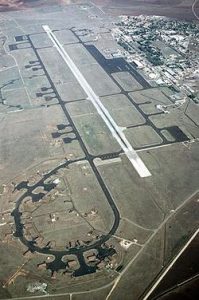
116 131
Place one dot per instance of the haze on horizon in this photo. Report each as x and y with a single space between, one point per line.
180 9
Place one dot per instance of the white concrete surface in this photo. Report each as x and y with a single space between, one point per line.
102 111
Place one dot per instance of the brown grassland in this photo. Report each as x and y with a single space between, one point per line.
180 9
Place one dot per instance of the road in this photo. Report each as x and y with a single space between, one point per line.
193 9
170 265
102 111
117 280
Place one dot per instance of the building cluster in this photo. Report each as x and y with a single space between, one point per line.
165 50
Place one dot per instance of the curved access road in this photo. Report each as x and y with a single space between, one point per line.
193 8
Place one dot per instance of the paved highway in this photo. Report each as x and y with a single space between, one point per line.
102 111
170 265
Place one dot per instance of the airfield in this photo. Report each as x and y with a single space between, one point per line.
76 212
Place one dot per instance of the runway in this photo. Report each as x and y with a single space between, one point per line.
116 131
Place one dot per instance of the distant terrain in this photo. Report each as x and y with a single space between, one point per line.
17 4
7 5
180 9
